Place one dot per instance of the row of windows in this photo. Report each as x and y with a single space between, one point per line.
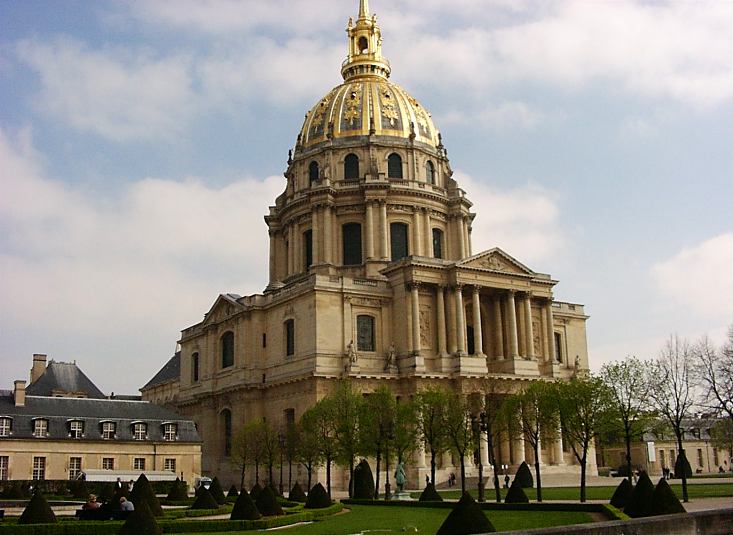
75 429
351 169
108 463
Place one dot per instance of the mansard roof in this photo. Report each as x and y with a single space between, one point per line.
171 371
63 377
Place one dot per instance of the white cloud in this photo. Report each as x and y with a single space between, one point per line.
699 277
504 116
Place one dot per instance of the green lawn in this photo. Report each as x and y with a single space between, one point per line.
378 519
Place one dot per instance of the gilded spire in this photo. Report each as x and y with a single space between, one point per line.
365 47
363 9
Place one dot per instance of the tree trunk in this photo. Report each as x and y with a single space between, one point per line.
628 455
351 477
328 476
310 476
582 475
379 466
683 457
269 473
257 473
537 454
463 474
432 466
241 479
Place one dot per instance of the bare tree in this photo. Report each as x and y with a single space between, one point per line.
458 427
672 393
714 369
626 382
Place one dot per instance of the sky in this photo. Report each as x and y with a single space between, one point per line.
141 143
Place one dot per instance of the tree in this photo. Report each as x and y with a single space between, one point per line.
377 420
307 449
721 435
458 428
671 391
629 415
714 369
347 405
431 404
538 418
492 418
247 448
406 433
270 441
583 404
320 421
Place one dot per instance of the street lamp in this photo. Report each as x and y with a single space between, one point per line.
389 435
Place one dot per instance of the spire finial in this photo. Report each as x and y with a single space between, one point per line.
365 47
363 9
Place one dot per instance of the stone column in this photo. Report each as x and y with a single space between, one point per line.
519 456
559 455
273 252
451 323
460 235
415 298
484 450
512 324
327 237
498 330
529 331
460 321
385 229
428 234
419 457
369 230
440 305
316 238
417 233
478 343
291 248
466 238
550 331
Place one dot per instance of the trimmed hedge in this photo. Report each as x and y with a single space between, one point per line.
679 467
141 521
430 494
622 494
37 511
217 492
204 500
178 491
317 498
665 501
233 492
296 494
142 492
524 476
363 481
466 518
255 491
245 508
640 501
267 503
516 493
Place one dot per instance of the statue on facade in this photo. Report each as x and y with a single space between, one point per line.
390 363
351 352
400 477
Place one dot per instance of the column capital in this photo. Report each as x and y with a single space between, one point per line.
413 285
476 288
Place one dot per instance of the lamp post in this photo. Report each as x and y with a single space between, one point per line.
389 435
281 437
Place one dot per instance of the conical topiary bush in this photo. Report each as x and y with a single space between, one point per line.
622 494
37 511
233 492
363 481
140 522
665 501
516 493
255 491
317 498
524 476
245 508
217 492
680 466
142 491
429 494
466 518
204 500
267 503
296 494
640 501
178 491
274 490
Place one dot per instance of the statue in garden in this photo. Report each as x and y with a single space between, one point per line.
400 477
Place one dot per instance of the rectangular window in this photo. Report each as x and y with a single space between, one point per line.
437 243
4 467
39 468
398 241
289 417
290 338
138 463
365 333
662 459
195 368
699 457
108 463
558 347
308 249
76 429
169 465
109 430
74 467
140 431
5 426
264 339
169 432
40 428
351 238
716 459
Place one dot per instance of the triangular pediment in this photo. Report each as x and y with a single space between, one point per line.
224 306
496 260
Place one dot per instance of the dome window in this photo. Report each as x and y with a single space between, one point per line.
399 241
351 167
363 45
437 243
394 166
313 173
351 234
430 172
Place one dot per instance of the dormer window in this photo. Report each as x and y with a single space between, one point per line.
76 429
40 428
6 427
169 432
109 430
139 431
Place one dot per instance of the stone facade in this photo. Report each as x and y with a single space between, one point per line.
372 278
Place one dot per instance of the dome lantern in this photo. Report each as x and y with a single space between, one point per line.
365 47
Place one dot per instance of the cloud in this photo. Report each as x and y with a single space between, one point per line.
503 116
699 277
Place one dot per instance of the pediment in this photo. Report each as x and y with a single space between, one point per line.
224 306
496 260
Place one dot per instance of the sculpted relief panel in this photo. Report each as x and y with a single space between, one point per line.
426 333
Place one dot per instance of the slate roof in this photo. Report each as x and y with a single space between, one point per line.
64 377
59 411
171 371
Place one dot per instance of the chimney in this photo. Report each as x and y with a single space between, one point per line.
19 393
39 366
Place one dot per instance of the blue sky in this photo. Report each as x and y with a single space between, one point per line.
142 141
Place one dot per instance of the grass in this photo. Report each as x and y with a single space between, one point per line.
376 518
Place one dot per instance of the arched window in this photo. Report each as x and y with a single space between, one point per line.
313 174
195 368
351 167
437 243
227 349
352 244
308 248
394 166
365 333
226 425
363 45
430 172
289 337
398 239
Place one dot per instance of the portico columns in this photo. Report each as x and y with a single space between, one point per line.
498 330
483 444
460 321
273 249
327 239
550 331
291 248
385 229
558 455
315 238
528 330
369 230
478 347
512 324
519 456
451 323
415 299
440 303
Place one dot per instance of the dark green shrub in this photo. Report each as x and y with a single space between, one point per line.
16 491
79 489
37 511
106 492
430 494
274 490
516 493
204 500
178 491
622 494
640 501
467 517
524 476
143 492
363 481
296 494
679 467
255 491
317 498
245 508
233 493
267 504
665 501
141 521
217 492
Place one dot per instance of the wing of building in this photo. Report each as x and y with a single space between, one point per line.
372 277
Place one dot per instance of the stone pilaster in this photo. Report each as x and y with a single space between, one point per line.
478 343
369 234
415 302
528 330
460 321
511 310
385 229
327 237
550 331
498 330
440 306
